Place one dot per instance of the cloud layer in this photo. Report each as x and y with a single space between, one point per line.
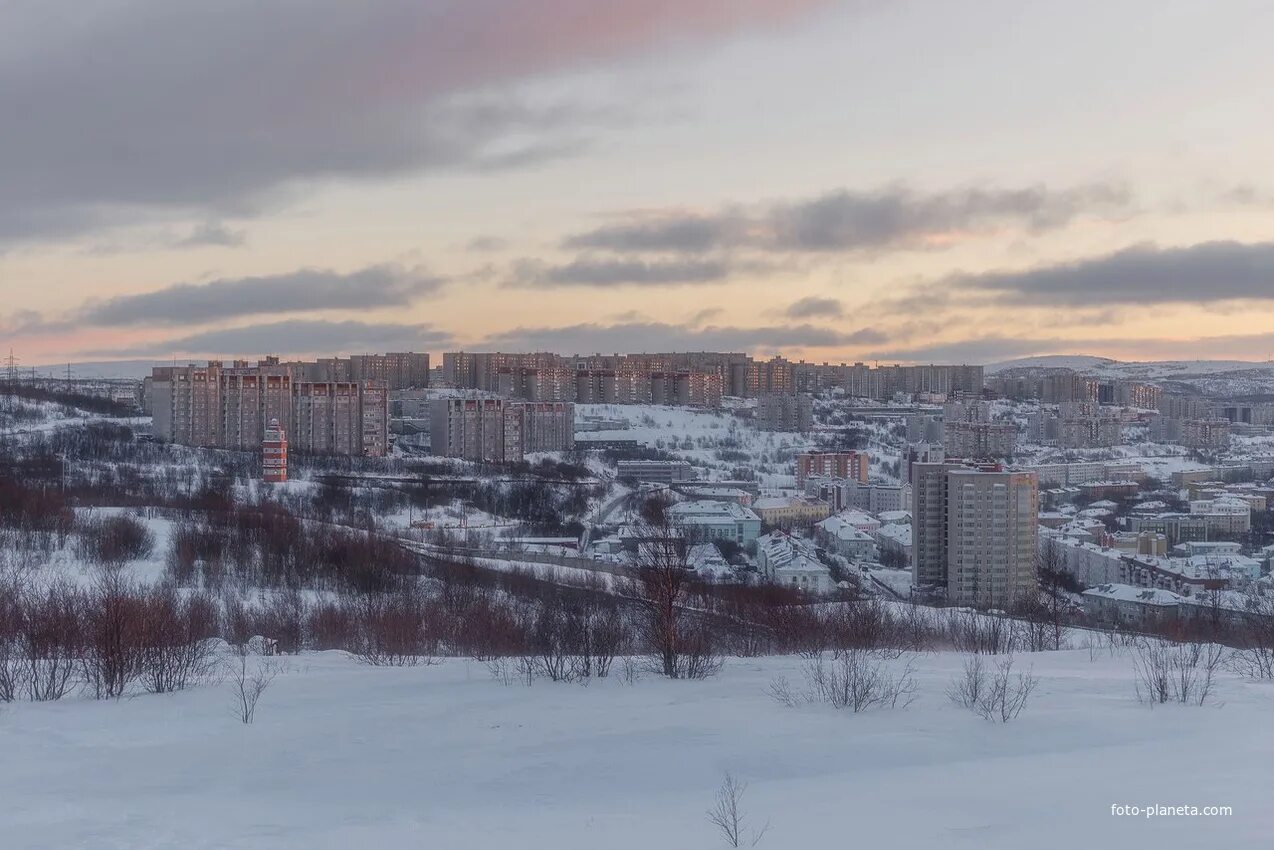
895 217
1141 274
294 337
129 109
305 290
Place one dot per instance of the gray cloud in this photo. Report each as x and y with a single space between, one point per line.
212 233
588 338
814 306
985 349
895 217
601 271
294 337
149 108
305 290
1141 274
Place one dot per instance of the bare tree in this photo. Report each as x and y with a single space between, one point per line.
248 683
728 817
662 584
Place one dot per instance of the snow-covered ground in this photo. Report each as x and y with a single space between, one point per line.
348 756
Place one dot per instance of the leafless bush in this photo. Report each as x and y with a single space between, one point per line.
854 679
1254 656
176 648
698 657
114 540
248 682
51 642
12 671
728 817
1176 672
999 696
630 669
114 618
393 630
983 634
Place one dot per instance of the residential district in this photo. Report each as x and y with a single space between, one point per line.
1143 501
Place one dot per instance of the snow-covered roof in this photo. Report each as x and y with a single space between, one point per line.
1140 595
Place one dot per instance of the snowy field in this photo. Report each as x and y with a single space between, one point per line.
348 756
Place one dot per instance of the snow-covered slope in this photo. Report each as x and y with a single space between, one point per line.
348 756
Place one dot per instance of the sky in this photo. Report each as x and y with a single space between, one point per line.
832 180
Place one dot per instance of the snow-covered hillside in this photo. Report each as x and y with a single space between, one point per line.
348 756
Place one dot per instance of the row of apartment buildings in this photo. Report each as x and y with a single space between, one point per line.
230 407
1061 385
690 378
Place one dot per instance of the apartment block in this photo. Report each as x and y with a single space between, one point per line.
974 533
230 407
784 412
495 430
851 464
979 440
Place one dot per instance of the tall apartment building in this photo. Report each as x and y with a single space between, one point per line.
850 464
1205 433
784 412
979 440
775 375
230 407
495 430
974 533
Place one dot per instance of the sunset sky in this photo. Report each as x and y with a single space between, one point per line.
901 181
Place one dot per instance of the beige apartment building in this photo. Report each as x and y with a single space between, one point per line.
975 532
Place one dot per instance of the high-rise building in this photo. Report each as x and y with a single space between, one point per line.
495 430
785 412
974 533
979 440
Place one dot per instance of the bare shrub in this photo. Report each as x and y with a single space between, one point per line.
114 617
392 630
1254 656
1176 672
984 634
854 679
248 682
12 671
115 540
176 647
728 817
698 657
51 642
999 696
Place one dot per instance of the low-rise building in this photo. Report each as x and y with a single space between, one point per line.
1135 607
790 511
838 534
787 561
655 471
703 521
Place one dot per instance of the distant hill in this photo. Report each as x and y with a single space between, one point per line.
134 369
1078 362
1210 377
